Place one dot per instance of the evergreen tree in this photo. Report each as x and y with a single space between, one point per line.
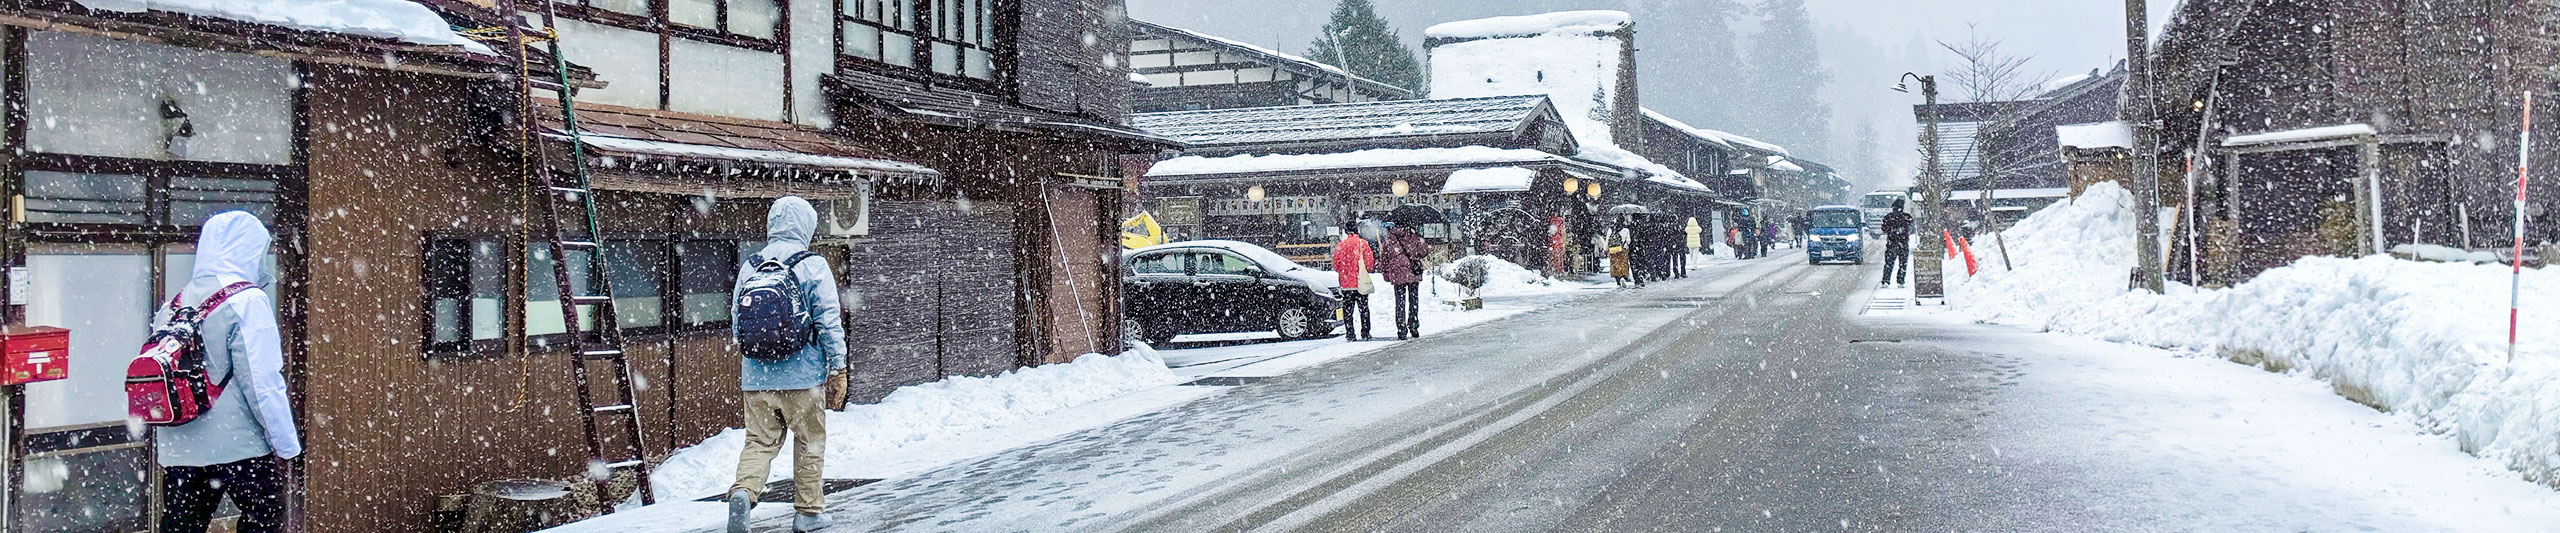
1370 49
1787 77
1692 70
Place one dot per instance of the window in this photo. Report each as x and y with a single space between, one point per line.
542 294
708 271
1165 263
953 38
466 285
1220 264
638 270
757 21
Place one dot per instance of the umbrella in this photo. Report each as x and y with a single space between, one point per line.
1416 214
1630 209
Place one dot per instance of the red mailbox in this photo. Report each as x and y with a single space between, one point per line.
32 354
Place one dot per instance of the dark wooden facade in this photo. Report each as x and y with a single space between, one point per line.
2441 82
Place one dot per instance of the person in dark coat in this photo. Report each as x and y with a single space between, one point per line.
1897 243
1400 259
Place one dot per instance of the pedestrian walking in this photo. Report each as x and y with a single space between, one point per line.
238 445
1897 243
1401 261
790 334
1352 262
1768 236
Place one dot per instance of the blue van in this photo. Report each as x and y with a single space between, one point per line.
1833 235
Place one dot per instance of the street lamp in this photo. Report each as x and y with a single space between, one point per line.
1572 184
1400 188
1924 263
1595 190
1253 194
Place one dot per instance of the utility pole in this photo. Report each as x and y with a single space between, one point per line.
2146 148
1927 280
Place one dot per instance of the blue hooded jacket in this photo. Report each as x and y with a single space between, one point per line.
788 227
253 417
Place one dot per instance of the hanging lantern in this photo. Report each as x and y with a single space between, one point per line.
1400 188
1253 194
1595 190
1572 184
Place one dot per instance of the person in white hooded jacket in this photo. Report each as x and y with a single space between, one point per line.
238 446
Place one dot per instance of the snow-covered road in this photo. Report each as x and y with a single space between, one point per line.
1755 397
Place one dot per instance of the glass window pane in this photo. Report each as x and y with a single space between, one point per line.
488 289
636 268
627 7
899 50
1159 263
93 198
695 13
542 294
105 298
753 18
903 14
709 270
981 66
1223 264
194 199
946 58
861 41
448 264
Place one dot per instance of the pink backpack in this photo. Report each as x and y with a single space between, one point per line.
166 385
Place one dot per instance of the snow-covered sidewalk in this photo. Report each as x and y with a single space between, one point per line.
2422 340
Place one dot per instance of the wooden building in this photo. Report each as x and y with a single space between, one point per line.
965 156
1288 177
2250 87
1187 70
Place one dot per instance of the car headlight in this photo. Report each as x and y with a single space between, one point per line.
1853 237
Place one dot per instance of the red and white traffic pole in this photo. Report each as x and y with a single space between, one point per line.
2515 285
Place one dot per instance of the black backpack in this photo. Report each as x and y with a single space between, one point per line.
773 316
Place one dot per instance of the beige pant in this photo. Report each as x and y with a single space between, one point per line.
801 412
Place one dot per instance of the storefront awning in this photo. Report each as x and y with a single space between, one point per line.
640 150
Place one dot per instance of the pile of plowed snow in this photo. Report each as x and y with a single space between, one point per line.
2426 340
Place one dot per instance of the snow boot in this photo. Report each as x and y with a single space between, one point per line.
740 501
811 522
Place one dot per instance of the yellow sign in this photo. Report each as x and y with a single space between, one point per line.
1141 231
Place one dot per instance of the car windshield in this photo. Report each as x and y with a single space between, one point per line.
1834 219
1880 201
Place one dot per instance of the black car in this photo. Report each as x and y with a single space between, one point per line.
1222 287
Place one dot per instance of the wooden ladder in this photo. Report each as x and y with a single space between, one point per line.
580 237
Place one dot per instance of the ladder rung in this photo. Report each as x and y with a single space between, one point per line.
545 85
614 408
590 299
624 464
555 189
601 353
587 245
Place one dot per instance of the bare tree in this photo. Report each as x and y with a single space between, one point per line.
1986 73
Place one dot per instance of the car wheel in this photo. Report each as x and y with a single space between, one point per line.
1294 323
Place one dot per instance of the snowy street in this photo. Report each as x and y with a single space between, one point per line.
1758 396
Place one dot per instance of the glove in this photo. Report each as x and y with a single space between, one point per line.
835 390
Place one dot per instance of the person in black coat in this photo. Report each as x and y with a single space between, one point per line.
1897 243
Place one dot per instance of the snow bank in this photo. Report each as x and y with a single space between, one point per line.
1496 179
2445 254
2305 134
399 20
1558 23
920 413
1378 157
2098 135
2426 340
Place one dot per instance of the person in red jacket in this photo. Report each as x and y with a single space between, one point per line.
1352 261
1400 258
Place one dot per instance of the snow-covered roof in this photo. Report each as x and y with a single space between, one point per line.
2305 134
2037 192
1786 166
1684 127
1269 54
1377 157
1751 143
1654 172
1494 179
1562 22
1326 122
2097 135
645 148
399 20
